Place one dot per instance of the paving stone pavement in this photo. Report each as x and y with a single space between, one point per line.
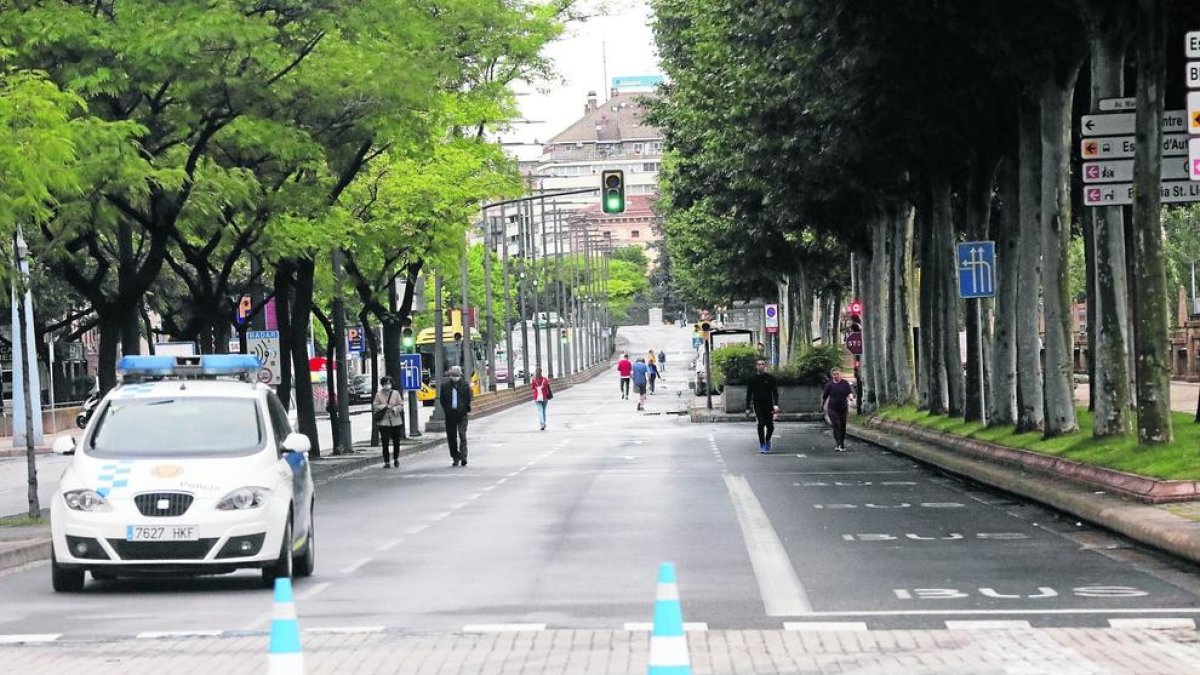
1052 651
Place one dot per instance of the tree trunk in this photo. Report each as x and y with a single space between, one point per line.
1056 243
901 336
302 304
1030 404
863 263
932 365
1002 399
1108 320
1152 341
948 305
110 338
981 178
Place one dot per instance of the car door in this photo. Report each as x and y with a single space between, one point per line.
297 462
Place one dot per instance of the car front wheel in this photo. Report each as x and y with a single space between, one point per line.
64 579
282 567
307 563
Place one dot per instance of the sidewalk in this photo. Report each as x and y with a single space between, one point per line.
1174 528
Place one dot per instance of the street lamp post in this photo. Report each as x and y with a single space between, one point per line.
508 352
565 346
489 345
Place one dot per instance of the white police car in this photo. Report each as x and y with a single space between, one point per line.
184 470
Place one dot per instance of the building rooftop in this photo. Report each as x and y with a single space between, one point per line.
638 206
620 118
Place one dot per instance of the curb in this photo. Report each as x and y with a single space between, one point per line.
705 416
1142 488
1148 525
25 552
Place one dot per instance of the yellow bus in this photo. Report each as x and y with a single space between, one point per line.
452 352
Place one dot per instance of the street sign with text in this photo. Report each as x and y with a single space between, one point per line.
1194 159
1192 45
1116 124
1122 147
1193 74
1121 170
977 269
1193 112
1117 104
771 315
265 345
854 342
1120 194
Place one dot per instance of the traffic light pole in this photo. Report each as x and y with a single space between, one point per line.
508 353
489 343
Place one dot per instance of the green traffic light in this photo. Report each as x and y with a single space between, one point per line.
614 204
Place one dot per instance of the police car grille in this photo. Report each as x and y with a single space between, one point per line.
162 550
176 503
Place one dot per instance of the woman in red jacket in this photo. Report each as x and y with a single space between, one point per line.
541 395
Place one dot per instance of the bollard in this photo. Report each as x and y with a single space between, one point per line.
668 644
284 656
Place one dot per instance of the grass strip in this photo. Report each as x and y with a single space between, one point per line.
1178 460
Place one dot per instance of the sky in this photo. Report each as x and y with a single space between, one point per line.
623 33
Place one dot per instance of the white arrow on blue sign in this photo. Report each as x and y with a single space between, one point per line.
410 372
977 269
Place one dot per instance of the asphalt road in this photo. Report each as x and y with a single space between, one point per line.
566 528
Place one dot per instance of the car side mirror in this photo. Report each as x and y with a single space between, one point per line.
64 445
296 443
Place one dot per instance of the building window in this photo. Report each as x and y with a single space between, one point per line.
635 234
638 147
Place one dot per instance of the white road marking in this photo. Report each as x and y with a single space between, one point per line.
156 634
347 630
475 496
781 591
502 627
458 506
354 566
804 626
988 625
19 639
391 544
489 488
511 474
438 517
310 592
418 529
1010 612
1132 624
696 627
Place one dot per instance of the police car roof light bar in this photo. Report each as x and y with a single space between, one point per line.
208 365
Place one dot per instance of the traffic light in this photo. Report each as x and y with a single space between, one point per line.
705 327
407 341
855 309
612 191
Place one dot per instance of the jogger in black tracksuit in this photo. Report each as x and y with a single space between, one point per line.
835 400
762 397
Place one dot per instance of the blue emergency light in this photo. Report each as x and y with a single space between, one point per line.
210 365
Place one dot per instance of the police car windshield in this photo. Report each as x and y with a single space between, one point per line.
178 427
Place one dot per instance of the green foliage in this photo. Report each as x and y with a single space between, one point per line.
812 367
733 364
1181 242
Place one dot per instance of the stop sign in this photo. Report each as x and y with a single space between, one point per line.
854 342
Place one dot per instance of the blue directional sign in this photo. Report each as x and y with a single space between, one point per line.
410 372
977 269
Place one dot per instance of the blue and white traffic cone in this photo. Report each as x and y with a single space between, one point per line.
668 644
284 656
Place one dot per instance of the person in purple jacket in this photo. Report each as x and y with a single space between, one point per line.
835 400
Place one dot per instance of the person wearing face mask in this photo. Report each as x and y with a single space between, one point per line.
455 396
388 408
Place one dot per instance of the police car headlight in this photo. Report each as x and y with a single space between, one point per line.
85 500
244 498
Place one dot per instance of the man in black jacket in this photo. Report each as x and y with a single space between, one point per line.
455 395
762 397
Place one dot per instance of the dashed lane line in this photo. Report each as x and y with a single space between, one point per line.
353 567
310 593
31 638
1156 624
159 634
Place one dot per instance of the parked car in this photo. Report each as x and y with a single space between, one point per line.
360 389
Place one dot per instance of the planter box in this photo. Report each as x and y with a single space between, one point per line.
792 398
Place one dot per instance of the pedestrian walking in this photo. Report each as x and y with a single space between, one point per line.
662 362
541 395
640 374
835 400
455 395
762 399
388 411
625 370
652 375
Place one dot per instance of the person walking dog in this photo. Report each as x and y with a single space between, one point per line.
762 398
835 401
541 395
455 395
388 409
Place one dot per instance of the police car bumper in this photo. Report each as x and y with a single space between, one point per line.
201 540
